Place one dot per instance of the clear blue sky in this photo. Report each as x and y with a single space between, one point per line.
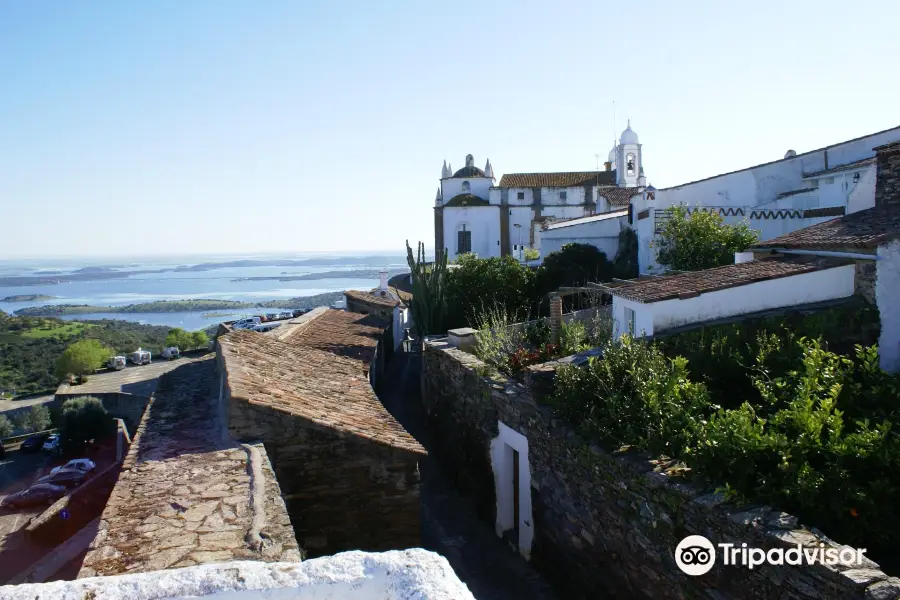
223 126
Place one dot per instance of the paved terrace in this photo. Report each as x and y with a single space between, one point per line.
133 379
187 494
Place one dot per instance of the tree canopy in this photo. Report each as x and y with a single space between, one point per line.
82 357
187 340
83 419
36 419
700 240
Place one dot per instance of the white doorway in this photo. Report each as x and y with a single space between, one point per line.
512 487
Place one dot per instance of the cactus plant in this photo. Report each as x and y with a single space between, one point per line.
428 303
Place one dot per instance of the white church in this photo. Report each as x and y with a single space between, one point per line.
545 211
474 214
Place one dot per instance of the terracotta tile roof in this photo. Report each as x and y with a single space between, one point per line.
694 283
466 200
617 196
864 229
315 385
371 298
570 179
339 332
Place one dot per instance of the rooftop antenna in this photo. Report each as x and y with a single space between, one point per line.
597 156
614 123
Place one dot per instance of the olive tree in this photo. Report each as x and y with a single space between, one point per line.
82 357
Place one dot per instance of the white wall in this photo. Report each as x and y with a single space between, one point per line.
643 317
502 464
354 575
818 286
887 294
862 195
522 216
482 221
480 186
604 234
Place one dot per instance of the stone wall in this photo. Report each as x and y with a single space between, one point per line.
887 178
342 491
607 524
864 280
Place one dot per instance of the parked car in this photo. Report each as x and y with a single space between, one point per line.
265 327
171 353
51 444
41 493
65 477
80 464
2 451
34 443
299 313
246 323
286 315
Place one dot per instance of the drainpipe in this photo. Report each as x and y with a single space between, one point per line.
829 253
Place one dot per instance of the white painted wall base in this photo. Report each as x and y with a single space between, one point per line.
502 464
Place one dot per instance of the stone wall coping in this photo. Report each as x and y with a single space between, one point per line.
776 528
393 575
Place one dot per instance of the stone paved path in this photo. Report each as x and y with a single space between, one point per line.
484 562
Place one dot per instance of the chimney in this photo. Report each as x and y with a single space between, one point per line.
608 166
383 284
887 175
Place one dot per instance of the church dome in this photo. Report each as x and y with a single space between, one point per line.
628 136
470 170
612 156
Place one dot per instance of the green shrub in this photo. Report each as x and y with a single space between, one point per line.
496 340
82 358
537 333
700 240
478 285
572 337
633 395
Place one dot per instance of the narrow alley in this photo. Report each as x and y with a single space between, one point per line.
450 526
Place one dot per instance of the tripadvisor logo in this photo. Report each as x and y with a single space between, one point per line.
696 555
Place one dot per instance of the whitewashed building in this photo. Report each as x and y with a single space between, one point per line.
854 255
774 198
472 214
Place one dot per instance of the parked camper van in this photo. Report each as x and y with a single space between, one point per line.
171 353
140 357
116 362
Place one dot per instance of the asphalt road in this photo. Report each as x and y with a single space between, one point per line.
19 469
6 404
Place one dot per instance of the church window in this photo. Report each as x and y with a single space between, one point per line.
520 195
563 195
463 241
629 163
465 186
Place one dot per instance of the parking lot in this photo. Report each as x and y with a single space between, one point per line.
139 380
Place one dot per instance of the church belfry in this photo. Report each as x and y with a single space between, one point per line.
629 169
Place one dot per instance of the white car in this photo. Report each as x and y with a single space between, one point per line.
81 464
52 443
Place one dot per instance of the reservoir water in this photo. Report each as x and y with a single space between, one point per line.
211 282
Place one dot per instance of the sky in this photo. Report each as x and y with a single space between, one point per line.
219 126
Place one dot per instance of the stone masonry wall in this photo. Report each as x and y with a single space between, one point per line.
608 523
887 177
343 492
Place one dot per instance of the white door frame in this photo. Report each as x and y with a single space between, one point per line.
502 448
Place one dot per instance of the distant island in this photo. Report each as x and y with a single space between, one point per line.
109 272
354 274
27 298
168 306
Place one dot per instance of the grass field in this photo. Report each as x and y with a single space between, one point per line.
54 328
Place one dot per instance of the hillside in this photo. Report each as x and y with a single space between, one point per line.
29 346
166 306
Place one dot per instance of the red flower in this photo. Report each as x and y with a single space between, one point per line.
853 512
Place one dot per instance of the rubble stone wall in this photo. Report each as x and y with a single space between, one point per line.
342 491
609 522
